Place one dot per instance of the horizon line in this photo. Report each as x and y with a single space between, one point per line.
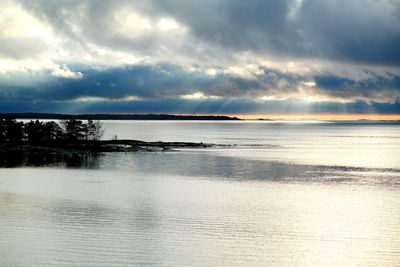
253 116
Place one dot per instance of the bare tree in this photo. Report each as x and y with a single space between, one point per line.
95 130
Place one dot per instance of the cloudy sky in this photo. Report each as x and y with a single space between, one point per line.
209 56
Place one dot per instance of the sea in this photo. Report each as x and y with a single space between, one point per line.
270 193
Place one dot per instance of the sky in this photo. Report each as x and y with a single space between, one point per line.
209 56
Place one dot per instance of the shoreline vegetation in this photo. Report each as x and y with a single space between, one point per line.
71 136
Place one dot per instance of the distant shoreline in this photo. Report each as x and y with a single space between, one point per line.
166 117
59 116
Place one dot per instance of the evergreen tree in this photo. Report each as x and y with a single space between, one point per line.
11 130
52 131
15 132
34 131
74 129
3 130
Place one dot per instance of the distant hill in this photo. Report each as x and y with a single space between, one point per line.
54 116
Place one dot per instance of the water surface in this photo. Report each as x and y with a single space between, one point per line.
287 194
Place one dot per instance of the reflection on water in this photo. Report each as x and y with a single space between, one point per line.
207 207
206 165
32 159
121 217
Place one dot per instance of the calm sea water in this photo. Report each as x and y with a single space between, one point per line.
286 194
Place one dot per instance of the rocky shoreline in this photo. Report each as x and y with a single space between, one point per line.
97 146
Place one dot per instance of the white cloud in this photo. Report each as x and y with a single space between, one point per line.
64 72
131 24
310 84
21 34
17 22
168 24
198 96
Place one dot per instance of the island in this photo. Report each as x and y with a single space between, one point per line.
71 135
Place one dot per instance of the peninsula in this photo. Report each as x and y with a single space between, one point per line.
71 136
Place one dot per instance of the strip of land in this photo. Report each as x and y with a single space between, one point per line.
98 146
71 136
53 116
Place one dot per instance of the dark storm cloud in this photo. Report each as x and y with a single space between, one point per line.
167 81
384 88
151 81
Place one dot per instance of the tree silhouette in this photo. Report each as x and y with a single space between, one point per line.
15 132
11 130
3 130
52 131
95 130
74 129
34 131
39 132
